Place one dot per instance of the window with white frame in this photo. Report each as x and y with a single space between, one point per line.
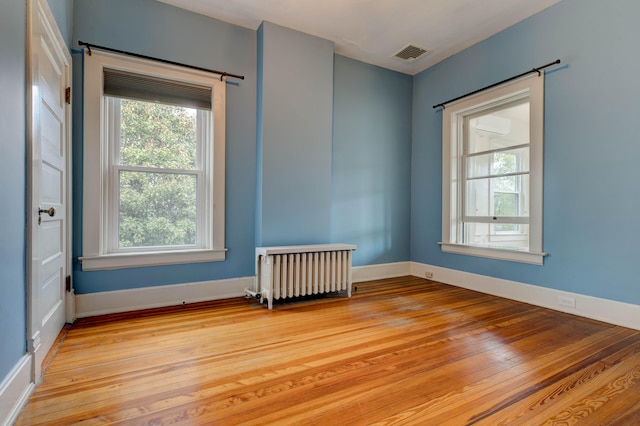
492 173
154 146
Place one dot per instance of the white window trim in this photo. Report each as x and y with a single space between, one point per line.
96 255
451 202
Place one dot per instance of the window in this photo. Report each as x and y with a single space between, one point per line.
492 173
153 164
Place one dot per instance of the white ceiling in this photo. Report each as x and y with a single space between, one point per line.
373 31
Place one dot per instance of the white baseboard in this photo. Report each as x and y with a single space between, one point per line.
609 311
110 302
379 272
15 390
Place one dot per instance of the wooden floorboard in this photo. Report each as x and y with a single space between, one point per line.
405 351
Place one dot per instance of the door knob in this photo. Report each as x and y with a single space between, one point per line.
50 211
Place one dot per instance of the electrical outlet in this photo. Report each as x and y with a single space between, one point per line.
569 302
428 274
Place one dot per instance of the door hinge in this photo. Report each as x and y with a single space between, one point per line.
68 283
67 95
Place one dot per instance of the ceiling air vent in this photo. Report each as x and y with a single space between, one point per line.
410 53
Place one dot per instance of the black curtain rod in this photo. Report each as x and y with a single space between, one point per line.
557 61
221 73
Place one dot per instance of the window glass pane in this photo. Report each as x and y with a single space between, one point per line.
158 135
505 204
506 183
502 196
505 227
477 198
499 129
156 209
497 163
503 235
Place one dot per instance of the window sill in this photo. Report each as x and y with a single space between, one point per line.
530 257
136 260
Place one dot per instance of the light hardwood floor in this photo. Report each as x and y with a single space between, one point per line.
400 351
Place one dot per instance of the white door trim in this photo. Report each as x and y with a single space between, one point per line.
35 9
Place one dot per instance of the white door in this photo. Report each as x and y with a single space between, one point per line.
49 181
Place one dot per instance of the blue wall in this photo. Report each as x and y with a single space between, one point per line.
371 153
591 196
156 29
62 11
295 115
12 185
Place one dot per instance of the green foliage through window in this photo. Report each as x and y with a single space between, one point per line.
157 206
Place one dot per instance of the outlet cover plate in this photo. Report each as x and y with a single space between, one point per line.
569 302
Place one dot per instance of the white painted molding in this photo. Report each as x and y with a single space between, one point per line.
15 390
110 302
379 272
98 173
609 311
